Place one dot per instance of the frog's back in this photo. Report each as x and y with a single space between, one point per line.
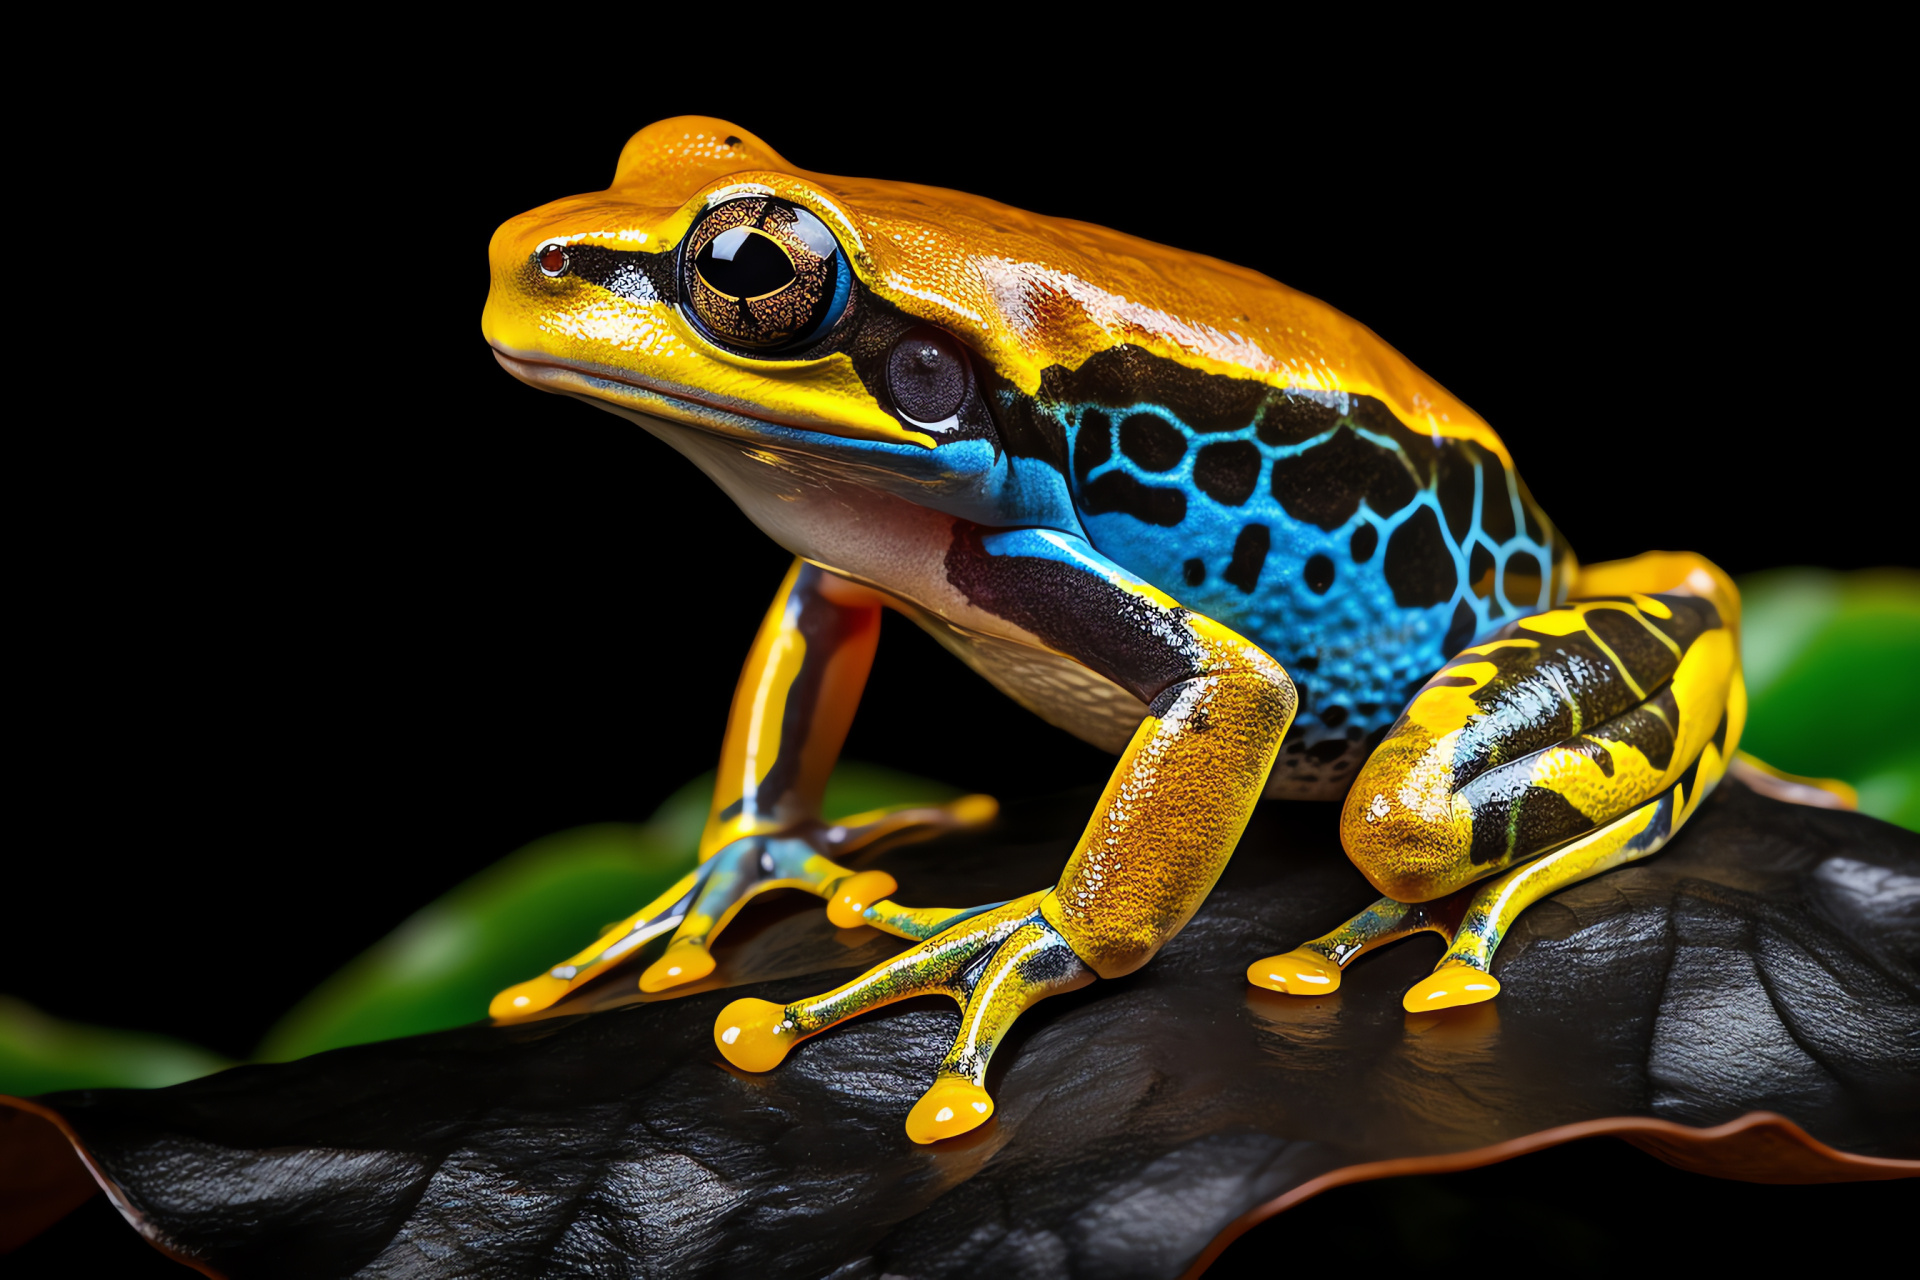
1246 448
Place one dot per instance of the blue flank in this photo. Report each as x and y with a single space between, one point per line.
1353 648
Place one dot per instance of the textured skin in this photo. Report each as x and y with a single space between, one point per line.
1765 961
1172 813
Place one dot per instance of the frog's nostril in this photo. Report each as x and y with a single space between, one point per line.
553 260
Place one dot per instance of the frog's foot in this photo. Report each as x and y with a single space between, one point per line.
995 962
1473 920
1313 968
706 899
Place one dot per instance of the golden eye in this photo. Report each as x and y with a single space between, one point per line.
763 274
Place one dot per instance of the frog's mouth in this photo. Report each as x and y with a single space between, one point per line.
620 391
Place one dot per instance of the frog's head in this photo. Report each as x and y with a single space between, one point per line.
912 331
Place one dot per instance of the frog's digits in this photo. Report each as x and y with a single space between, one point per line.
1167 504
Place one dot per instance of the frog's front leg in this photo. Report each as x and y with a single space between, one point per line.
1218 708
791 712
1572 741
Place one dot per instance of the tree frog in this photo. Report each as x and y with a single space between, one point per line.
1167 504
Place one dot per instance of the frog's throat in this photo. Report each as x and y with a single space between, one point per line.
621 390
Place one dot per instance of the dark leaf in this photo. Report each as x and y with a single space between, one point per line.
1763 963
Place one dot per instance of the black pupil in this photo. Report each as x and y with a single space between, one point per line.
744 264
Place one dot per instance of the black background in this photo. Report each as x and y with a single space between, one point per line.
320 611
317 612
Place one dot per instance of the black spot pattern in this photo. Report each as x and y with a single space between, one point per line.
1118 491
1319 573
1333 717
1365 539
1459 630
1521 578
1094 444
1480 571
1419 567
1227 473
1152 442
1324 485
1534 531
1455 489
1423 453
1249 557
1496 507
1194 571
1292 419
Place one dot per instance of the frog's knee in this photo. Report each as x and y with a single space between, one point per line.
1403 825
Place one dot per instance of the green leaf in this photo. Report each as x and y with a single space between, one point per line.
39 1054
530 910
1833 680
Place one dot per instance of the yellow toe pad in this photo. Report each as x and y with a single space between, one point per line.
974 811
855 894
1298 973
754 1034
1456 984
683 962
949 1109
531 996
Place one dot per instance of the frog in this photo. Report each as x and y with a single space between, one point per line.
1189 515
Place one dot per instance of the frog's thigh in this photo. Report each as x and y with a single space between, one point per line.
1593 730
1562 722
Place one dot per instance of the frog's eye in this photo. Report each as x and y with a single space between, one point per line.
764 275
553 260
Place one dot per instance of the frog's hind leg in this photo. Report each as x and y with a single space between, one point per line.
1463 975
791 712
995 962
1572 741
